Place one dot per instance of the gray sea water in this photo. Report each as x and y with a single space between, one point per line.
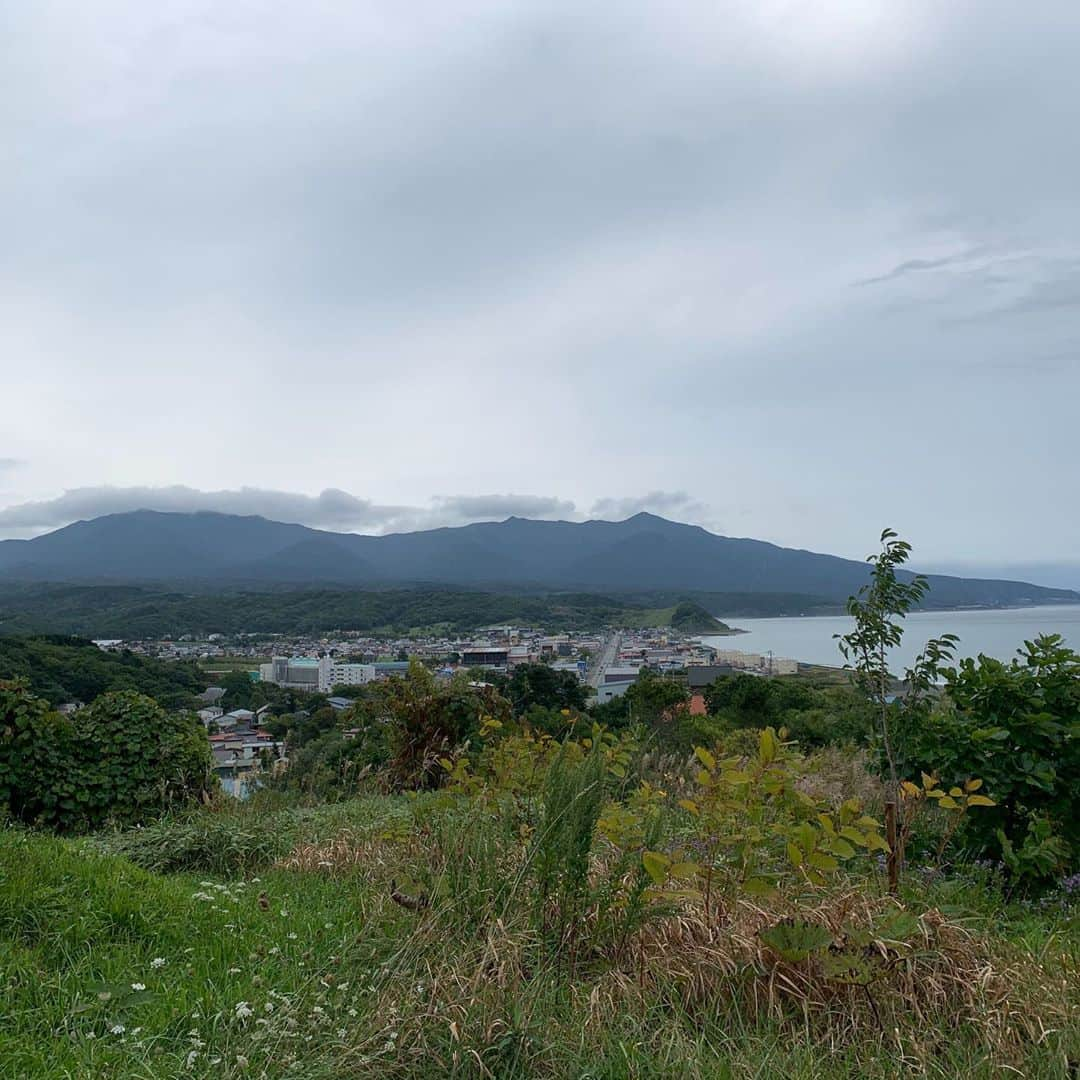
996 633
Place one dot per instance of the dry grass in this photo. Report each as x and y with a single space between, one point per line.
945 972
448 996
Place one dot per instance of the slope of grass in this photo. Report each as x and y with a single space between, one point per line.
293 960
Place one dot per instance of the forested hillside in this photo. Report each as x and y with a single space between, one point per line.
62 669
111 611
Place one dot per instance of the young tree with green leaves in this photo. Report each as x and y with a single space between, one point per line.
878 611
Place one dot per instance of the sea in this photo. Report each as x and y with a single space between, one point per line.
810 638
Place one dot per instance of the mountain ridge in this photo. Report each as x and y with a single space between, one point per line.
639 553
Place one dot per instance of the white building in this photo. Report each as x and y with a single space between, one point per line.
292 672
334 672
320 674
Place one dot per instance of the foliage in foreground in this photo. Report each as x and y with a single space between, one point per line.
426 937
122 759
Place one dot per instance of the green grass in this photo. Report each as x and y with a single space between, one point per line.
343 982
223 665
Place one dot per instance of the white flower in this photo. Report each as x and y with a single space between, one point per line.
352 1012
243 1010
241 1061
292 937
275 950
234 971
158 962
341 1033
138 986
268 1007
117 1029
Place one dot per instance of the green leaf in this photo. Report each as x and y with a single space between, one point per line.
737 777
794 940
705 758
767 746
850 967
656 865
840 847
759 886
899 926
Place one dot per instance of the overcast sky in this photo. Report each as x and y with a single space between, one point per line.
793 270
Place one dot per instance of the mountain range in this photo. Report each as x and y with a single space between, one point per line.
641 553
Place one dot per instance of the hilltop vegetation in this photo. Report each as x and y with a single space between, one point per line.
132 612
62 669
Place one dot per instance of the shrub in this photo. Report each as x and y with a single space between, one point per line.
1017 727
123 759
427 721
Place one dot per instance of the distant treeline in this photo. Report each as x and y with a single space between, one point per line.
132 612
62 669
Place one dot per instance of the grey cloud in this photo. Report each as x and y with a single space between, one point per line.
608 242
330 509
911 266
488 507
673 504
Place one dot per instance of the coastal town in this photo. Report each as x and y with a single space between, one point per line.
607 662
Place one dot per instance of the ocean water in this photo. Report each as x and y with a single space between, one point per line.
998 633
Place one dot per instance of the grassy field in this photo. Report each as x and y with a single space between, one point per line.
269 941
222 665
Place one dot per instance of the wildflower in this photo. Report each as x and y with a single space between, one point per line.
157 962
241 1061
341 1033
268 1007
275 951
234 971
243 1010
138 986
292 937
117 1029
352 1012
